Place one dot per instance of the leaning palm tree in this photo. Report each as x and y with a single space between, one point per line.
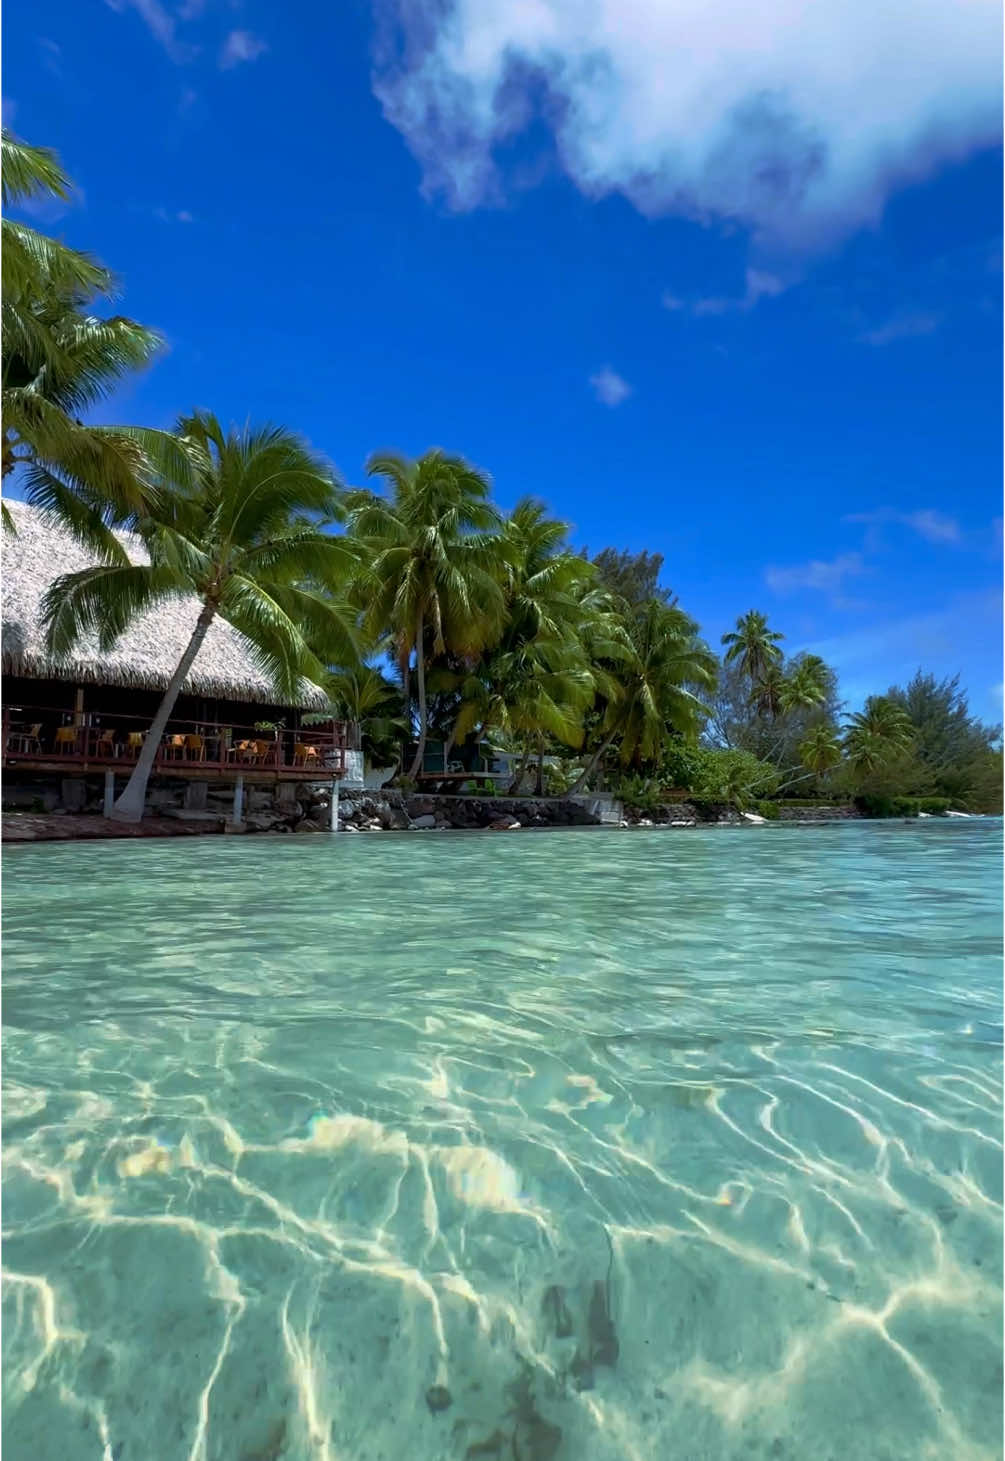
58 360
432 577
877 734
230 530
753 645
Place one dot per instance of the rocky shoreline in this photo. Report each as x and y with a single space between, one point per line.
304 808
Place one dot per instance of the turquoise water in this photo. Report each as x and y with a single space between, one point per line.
571 1145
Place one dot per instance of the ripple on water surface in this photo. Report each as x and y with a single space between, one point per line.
573 1145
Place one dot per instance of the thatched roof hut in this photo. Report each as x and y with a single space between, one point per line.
146 655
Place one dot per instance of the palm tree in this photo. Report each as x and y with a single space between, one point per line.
536 681
754 645
433 577
231 531
806 684
58 360
820 750
877 734
365 697
654 687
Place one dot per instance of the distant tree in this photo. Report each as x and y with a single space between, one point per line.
634 577
820 750
753 646
877 735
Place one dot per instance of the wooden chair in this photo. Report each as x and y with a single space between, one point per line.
66 740
174 747
195 748
304 755
261 751
134 742
26 741
105 744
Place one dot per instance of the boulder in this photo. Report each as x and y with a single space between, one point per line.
419 806
393 819
424 820
308 825
262 821
505 824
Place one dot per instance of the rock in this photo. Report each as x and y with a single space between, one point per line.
438 1398
393 819
234 829
505 824
262 821
419 806
259 801
350 829
426 819
308 825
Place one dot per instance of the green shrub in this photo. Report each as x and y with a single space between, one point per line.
935 806
874 805
637 793
768 810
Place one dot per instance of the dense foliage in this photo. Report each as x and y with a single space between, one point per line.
427 612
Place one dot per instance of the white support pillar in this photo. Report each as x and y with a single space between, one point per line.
334 806
109 794
238 800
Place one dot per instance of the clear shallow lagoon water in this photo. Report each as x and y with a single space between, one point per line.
571 1145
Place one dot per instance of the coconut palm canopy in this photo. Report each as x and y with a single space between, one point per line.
146 655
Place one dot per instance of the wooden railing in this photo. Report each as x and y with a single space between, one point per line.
32 734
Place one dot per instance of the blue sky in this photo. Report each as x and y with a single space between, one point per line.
738 302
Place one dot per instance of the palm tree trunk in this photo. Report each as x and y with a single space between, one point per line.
521 769
420 680
129 806
588 770
539 780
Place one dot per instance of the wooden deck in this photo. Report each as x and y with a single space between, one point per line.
195 751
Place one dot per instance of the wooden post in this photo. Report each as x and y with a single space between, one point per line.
106 810
78 707
238 800
334 806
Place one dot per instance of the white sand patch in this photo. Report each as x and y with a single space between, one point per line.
481 1178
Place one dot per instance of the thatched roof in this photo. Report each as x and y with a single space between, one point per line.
146 655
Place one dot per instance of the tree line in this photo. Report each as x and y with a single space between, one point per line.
423 609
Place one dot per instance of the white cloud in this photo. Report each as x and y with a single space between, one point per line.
758 285
934 527
610 388
159 22
184 216
794 118
901 327
827 577
241 45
